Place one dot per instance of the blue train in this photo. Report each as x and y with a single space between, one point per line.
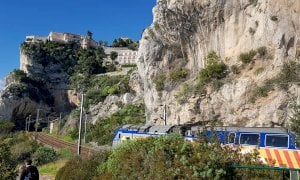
278 138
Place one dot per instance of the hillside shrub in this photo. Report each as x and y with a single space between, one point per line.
274 18
295 118
7 163
22 150
215 69
151 33
78 168
102 132
178 74
100 87
159 82
262 51
247 57
6 126
290 73
234 69
261 91
44 155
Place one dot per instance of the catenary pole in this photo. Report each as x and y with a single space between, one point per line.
37 120
80 123
85 120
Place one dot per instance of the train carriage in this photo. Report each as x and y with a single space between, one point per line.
276 146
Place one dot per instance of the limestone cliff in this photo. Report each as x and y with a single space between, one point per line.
183 33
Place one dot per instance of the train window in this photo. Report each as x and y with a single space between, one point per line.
277 140
231 138
249 139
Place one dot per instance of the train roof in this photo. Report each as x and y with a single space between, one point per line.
160 129
244 129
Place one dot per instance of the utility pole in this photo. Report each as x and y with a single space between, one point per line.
48 123
37 119
80 122
59 123
26 124
84 138
165 114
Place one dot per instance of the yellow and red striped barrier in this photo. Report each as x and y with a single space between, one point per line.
281 157
278 157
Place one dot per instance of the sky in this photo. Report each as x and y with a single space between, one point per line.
107 19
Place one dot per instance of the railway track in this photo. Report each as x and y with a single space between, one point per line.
58 143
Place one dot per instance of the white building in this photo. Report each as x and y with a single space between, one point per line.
83 40
125 55
35 39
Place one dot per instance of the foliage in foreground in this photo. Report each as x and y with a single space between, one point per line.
5 127
171 156
7 163
102 132
78 168
166 157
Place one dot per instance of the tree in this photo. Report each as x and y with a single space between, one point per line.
113 55
295 119
122 42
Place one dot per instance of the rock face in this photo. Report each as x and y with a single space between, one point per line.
18 108
185 31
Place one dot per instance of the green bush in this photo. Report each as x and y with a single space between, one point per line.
103 131
262 51
290 73
22 150
44 155
159 82
113 55
261 91
274 18
215 69
177 75
101 87
6 126
151 33
234 69
173 157
7 163
295 118
82 169
247 57
73 133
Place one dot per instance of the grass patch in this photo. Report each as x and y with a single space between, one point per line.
52 168
259 70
